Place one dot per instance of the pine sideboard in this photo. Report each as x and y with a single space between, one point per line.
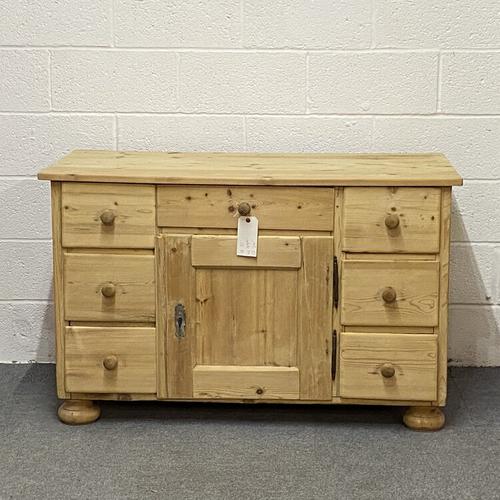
345 302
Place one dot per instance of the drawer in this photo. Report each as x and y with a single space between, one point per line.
110 360
388 366
109 287
389 292
391 220
108 215
217 207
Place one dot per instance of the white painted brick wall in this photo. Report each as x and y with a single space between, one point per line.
242 82
83 22
177 23
450 24
236 75
373 82
308 133
105 80
471 81
24 82
181 132
320 24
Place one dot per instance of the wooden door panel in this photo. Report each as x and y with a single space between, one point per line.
245 317
180 284
272 251
314 316
257 318
246 382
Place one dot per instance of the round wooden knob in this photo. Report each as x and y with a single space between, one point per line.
392 221
108 217
389 295
110 362
108 290
387 370
244 208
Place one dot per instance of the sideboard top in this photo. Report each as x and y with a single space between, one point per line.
305 169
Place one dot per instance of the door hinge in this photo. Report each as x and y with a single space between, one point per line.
334 354
335 283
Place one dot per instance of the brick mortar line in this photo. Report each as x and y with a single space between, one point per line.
373 25
245 134
112 23
49 78
361 50
307 89
23 240
467 244
116 134
26 301
242 21
439 77
178 77
470 306
55 112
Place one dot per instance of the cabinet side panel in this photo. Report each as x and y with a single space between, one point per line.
180 278
443 295
315 319
57 254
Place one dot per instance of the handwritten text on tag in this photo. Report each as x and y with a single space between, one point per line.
248 229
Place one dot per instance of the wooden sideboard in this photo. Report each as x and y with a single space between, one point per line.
346 301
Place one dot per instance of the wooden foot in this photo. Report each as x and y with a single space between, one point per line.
78 411
424 418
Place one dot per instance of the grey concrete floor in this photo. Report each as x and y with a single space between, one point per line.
229 451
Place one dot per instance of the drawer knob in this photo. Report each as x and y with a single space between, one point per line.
387 370
110 362
389 295
108 217
244 208
392 221
108 290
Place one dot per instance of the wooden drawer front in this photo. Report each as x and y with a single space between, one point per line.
110 360
216 207
109 287
245 382
388 366
370 214
369 285
108 215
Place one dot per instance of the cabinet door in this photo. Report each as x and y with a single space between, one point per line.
246 328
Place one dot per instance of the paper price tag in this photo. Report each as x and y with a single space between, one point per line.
248 229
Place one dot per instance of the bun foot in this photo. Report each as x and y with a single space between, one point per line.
424 418
78 411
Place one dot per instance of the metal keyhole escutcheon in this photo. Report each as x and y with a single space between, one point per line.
180 321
